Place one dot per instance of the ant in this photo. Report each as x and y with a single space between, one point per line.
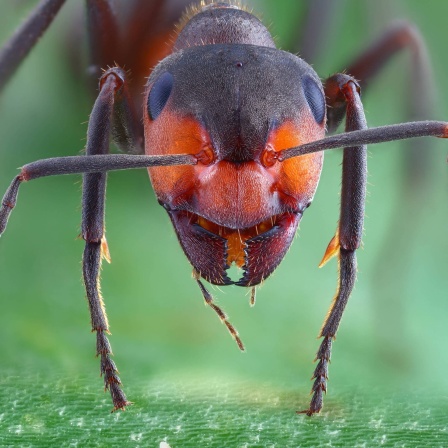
233 136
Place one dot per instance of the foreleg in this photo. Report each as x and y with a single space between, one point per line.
348 235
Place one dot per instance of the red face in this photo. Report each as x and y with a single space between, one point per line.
227 106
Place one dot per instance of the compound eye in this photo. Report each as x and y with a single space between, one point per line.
315 98
159 94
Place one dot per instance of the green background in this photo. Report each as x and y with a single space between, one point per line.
190 385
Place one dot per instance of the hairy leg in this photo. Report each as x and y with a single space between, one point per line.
15 50
349 233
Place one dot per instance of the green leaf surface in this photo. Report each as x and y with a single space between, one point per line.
203 413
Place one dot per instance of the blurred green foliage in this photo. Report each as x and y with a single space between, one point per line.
176 360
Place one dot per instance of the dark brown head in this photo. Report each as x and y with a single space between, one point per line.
234 105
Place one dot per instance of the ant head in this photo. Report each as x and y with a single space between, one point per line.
239 94
234 107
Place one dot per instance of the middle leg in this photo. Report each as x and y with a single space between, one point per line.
399 37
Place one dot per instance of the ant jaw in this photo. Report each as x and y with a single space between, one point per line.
275 242
212 249
237 238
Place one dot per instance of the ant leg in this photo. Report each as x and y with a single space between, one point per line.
15 50
349 233
104 38
93 198
366 66
316 29
105 117
112 113
400 36
139 44
416 177
95 164
127 129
